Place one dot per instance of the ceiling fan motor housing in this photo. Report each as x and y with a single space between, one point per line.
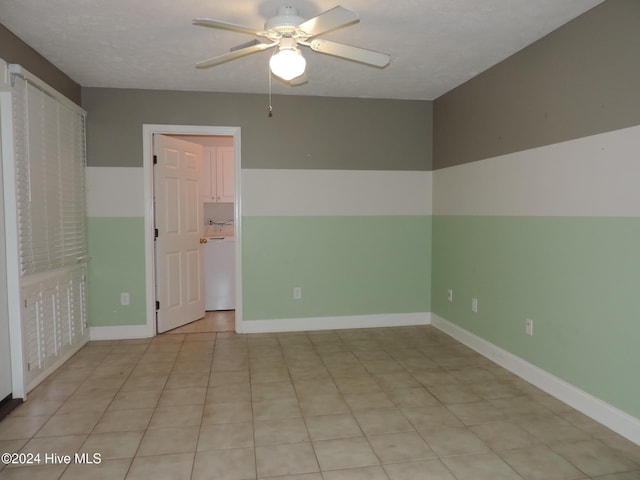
285 22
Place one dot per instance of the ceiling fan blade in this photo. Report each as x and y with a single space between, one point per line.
208 22
301 80
357 54
330 20
235 54
250 43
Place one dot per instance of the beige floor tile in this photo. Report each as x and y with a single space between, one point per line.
239 392
504 435
620 476
183 380
368 401
430 418
375 422
363 473
267 374
412 398
482 466
280 431
85 405
329 427
540 463
162 467
124 420
400 447
454 441
217 379
344 453
145 382
359 384
127 400
13 427
281 408
113 444
454 393
193 396
182 416
261 392
291 459
225 436
37 406
182 396
107 470
323 385
476 412
162 441
40 472
422 470
232 464
63 445
552 429
595 458
216 413
324 404
69 424
303 476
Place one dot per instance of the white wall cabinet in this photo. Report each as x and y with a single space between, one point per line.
218 175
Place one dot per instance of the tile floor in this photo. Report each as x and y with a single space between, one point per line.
213 321
392 403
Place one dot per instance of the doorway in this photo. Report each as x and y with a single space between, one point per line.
187 130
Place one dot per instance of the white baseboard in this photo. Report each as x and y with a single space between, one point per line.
335 323
608 415
119 332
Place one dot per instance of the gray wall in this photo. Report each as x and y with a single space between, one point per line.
14 50
580 80
304 132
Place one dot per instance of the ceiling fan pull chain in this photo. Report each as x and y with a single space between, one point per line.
270 107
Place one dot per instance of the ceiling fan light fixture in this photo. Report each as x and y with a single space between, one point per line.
288 63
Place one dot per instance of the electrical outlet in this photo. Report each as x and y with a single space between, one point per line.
474 305
297 293
450 295
124 298
528 325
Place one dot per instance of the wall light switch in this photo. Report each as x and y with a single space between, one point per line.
297 293
124 298
474 305
450 295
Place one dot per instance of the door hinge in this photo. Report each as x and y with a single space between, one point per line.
157 305
155 233
155 159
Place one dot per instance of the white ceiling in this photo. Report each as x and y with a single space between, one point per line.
435 45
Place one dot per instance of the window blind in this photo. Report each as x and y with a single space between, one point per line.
50 160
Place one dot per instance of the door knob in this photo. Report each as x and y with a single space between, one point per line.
203 240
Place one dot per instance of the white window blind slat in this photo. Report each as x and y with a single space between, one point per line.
50 160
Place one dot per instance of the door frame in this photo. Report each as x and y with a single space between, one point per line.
148 130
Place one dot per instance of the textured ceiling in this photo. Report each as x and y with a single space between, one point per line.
435 45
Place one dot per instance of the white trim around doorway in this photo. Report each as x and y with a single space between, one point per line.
148 130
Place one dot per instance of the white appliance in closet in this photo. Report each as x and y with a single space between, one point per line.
219 276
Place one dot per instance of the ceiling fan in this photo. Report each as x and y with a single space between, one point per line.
288 31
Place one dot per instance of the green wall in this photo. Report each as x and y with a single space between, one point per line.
116 248
344 265
576 278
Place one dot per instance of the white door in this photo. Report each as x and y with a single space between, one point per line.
178 220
